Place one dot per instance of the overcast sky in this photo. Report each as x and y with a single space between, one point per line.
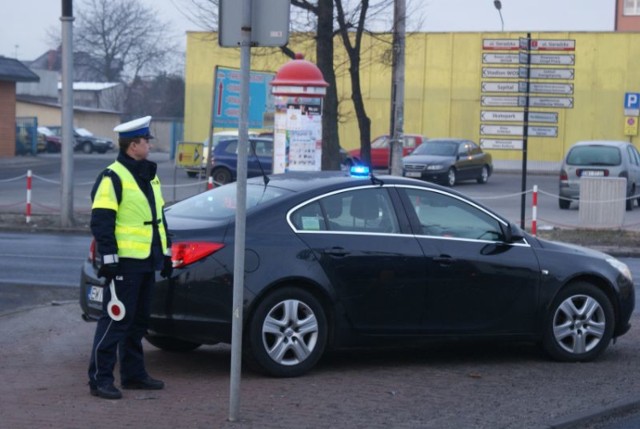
24 23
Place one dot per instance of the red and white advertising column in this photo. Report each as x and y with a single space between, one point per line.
298 89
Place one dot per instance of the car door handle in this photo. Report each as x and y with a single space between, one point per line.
336 251
444 260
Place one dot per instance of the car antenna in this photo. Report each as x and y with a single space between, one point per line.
265 178
375 180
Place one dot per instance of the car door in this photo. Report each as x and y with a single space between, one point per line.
475 283
260 158
373 262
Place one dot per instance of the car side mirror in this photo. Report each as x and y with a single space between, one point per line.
511 233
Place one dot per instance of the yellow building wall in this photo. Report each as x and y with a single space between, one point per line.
443 86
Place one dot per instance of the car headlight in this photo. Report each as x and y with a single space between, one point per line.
435 167
622 267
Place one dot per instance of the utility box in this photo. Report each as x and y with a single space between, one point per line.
602 202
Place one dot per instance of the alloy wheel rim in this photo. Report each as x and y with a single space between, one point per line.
579 324
290 332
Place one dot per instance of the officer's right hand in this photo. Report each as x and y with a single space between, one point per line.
108 271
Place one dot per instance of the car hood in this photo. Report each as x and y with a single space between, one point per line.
426 159
571 248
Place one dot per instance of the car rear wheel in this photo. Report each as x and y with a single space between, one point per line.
87 147
564 203
579 325
287 333
221 176
484 175
451 177
629 201
171 344
192 173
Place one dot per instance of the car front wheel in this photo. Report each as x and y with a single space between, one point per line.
579 325
451 177
287 334
484 175
221 176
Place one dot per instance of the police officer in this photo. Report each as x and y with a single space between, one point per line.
130 230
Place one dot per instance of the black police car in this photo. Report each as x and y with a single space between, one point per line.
334 260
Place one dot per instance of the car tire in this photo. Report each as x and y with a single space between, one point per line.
451 177
192 173
287 333
484 175
579 325
221 176
171 344
51 148
87 147
628 205
564 203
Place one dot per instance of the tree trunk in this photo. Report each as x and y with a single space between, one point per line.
324 54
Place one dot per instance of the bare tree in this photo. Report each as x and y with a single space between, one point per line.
122 39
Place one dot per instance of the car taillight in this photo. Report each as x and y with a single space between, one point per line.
563 176
188 252
92 252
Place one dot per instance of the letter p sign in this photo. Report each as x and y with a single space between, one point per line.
632 100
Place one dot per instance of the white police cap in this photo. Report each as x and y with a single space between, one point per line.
136 128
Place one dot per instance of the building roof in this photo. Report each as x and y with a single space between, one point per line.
90 86
13 70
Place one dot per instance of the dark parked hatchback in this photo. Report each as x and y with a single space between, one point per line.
335 261
224 161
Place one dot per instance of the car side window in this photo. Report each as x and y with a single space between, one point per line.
632 152
409 142
361 210
463 149
444 215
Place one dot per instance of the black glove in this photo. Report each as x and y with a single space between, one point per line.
108 271
167 267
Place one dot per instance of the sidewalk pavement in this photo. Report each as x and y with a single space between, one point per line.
44 352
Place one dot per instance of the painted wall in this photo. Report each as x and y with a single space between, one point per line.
443 86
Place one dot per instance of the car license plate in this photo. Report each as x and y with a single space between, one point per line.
413 174
95 293
592 173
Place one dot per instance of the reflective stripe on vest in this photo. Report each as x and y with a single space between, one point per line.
134 226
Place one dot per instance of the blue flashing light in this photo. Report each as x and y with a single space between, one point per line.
359 171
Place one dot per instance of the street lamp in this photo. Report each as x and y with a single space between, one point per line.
498 5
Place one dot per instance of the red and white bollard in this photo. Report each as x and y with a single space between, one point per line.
210 183
28 196
534 211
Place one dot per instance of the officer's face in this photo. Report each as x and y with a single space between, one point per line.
140 149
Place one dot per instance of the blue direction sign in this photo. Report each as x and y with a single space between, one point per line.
226 99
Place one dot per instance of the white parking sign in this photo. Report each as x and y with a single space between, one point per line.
632 104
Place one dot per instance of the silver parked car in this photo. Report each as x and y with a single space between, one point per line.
599 158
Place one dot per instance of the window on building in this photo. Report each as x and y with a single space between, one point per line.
631 7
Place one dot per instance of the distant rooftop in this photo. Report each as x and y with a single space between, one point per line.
90 86
13 70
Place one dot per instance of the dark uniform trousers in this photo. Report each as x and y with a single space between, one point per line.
134 290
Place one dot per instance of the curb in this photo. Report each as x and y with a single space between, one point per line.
582 419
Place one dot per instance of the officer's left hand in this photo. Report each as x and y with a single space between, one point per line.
167 267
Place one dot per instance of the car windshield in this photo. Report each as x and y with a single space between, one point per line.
220 203
83 132
436 147
380 143
594 155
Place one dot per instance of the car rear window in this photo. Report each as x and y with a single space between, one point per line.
594 155
220 203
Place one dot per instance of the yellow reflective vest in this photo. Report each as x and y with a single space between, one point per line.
134 223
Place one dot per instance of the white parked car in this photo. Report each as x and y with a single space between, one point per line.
599 158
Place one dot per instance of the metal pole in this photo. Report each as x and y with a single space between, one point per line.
241 210
66 165
525 134
214 93
397 123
